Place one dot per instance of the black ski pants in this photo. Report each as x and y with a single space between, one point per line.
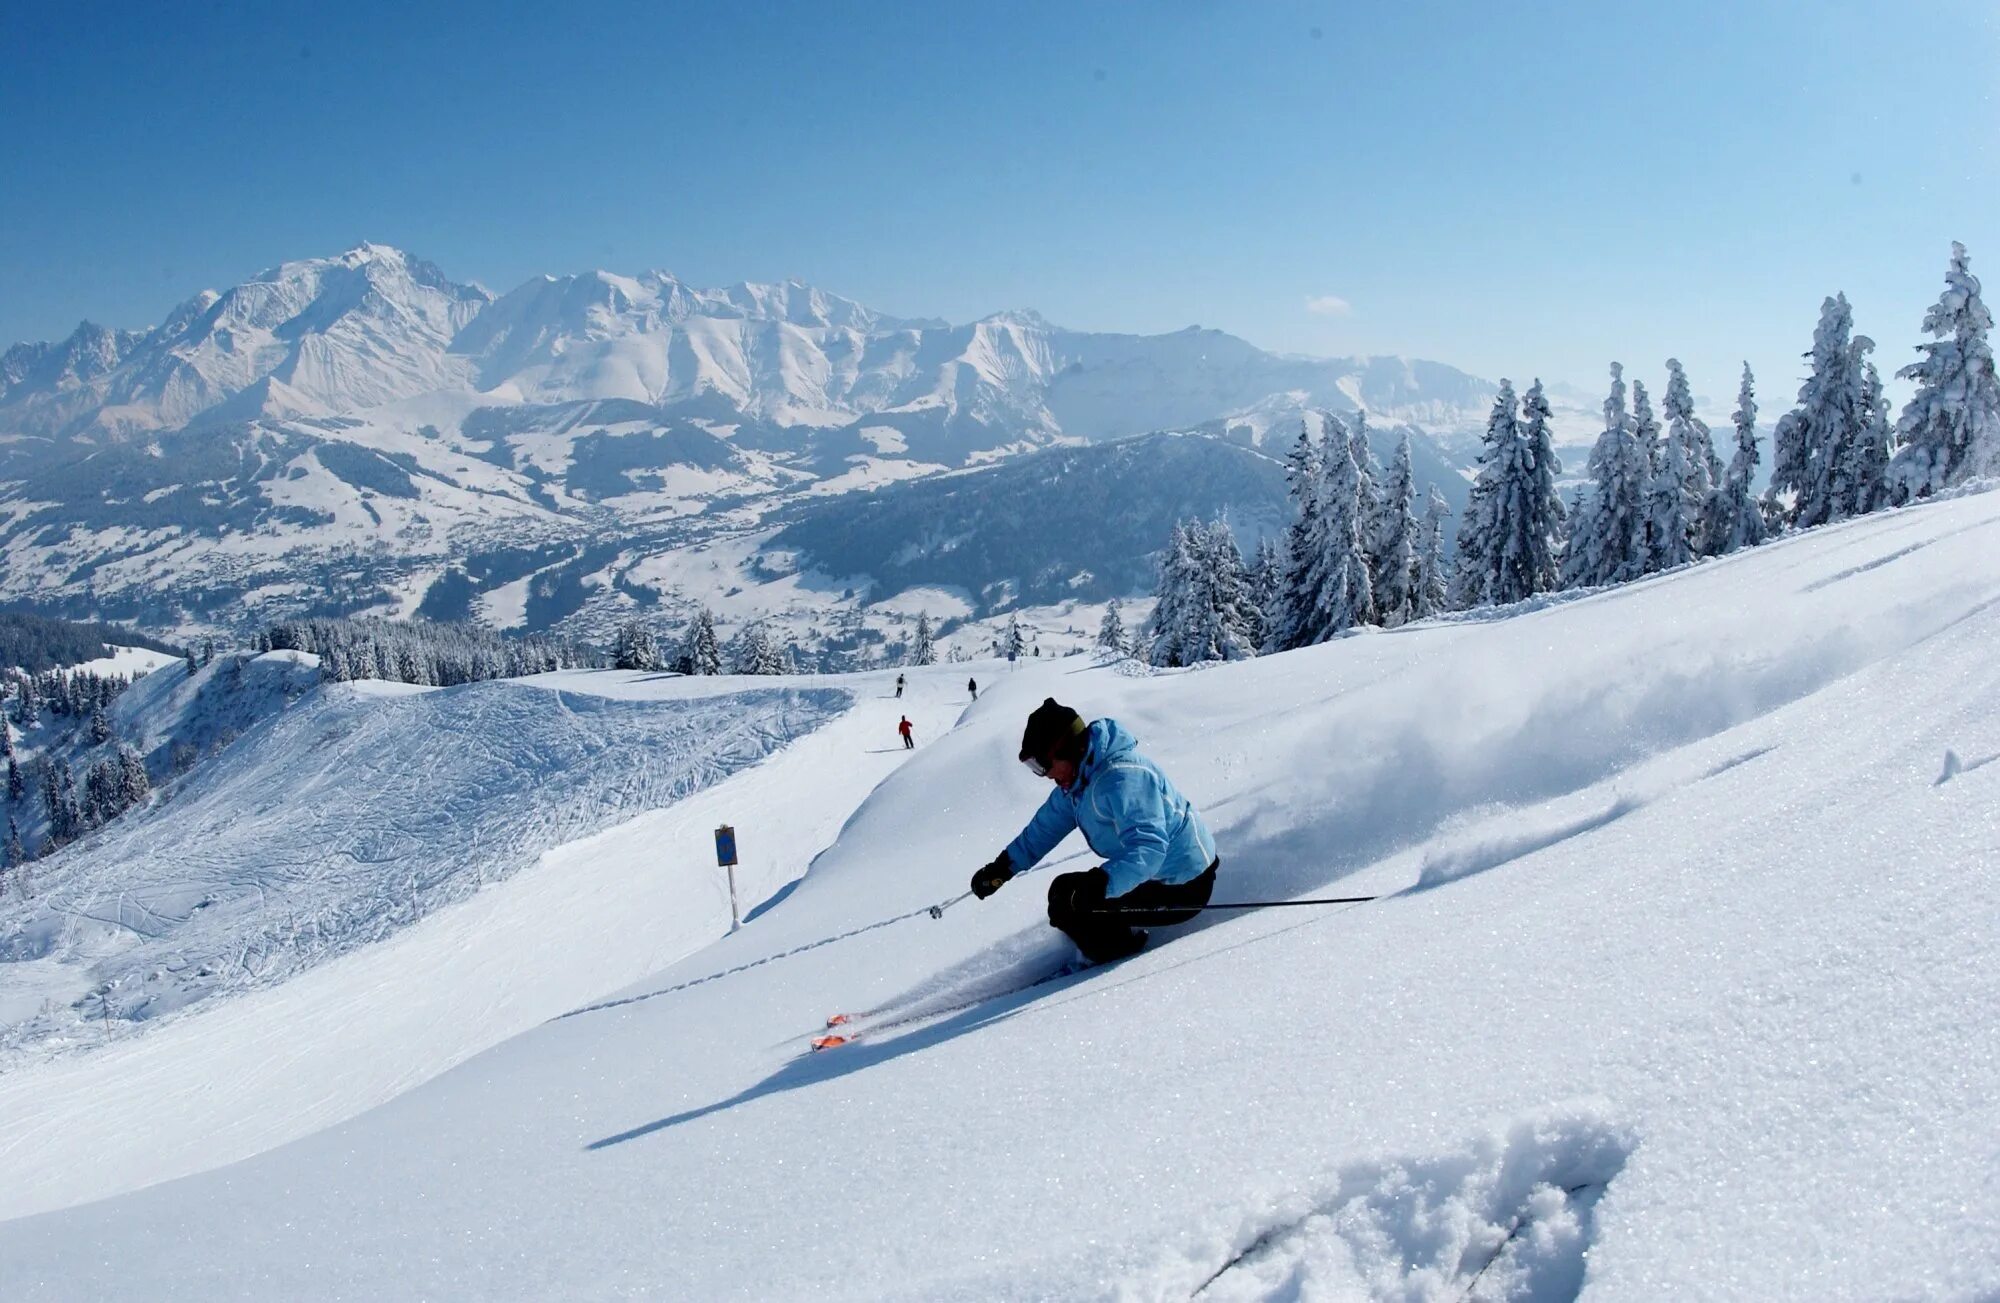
1077 907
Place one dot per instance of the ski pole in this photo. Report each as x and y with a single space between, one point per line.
937 910
1238 904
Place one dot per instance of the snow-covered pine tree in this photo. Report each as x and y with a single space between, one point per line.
1950 428
133 784
1224 617
1530 517
1173 597
1697 454
1111 630
1297 590
17 854
193 665
1829 417
1014 642
701 650
1431 592
1607 537
1733 519
636 648
1865 482
1396 541
1481 530
754 652
1267 576
100 727
17 787
28 706
924 652
6 740
1670 511
1347 597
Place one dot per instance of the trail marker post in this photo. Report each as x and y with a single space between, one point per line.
725 856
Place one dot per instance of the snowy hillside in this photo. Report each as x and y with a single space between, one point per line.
340 815
1681 985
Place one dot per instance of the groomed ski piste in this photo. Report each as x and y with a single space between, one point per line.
1683 982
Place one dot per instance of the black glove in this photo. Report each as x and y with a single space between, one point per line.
992 877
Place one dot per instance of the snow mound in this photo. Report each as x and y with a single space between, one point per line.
1509 1215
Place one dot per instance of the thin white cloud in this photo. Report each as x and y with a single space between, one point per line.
1329 305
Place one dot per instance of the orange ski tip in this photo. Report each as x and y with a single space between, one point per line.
839 1018
828 1042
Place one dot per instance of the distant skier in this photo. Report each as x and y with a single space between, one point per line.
1159 858
972 686
909 734
899 687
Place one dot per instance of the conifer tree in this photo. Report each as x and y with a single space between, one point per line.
636 648
701 650
1396 542
1607 538
100 727
1266 585
17 787
1482 530
1014 642
1431 593
1828 419
1865 483
1950 428
17 854
924 652
1111 630
27 710
6 740
1224 620
1531 517
1346 597
1172 600
1297 591
133 784
1691 445
754 652
1734 520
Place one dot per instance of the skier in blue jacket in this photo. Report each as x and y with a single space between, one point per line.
1159 858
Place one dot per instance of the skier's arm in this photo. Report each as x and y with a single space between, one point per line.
1053 822
1137 805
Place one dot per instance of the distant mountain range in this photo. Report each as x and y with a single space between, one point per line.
343 432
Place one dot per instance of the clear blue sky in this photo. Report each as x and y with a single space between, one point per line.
1514 189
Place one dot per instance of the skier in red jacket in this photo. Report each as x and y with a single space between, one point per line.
909 742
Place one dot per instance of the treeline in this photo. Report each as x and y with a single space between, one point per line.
421 652
700 650
1659 495
36 643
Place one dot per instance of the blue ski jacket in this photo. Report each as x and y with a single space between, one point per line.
1129 813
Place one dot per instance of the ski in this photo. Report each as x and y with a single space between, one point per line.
847 1028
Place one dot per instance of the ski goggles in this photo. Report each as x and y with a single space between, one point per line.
1035 766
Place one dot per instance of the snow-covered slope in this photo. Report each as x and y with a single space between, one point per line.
341 815
1682 985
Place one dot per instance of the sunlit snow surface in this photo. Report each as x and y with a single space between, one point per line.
1684 985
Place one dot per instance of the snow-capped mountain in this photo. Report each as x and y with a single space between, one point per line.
310 338
336 336
339 433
